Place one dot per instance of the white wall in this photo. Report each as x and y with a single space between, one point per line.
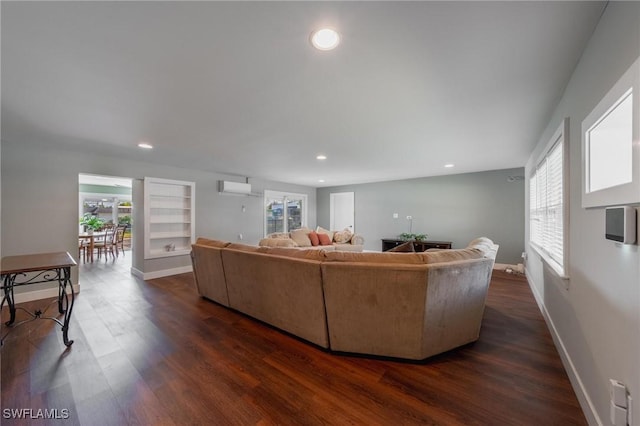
456 208
40 201
596 314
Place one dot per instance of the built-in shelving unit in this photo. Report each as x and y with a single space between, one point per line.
169 217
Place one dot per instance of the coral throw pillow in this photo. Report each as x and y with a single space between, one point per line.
314 238
324 239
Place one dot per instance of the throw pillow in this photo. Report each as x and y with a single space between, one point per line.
301 237
321 230
314 238
342 237
324 239
404 248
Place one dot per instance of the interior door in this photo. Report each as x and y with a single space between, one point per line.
342 211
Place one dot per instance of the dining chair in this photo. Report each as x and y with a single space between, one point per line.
83 248
104 243
119 239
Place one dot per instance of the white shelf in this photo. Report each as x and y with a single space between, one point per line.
154 254
169 217
166 235
167 220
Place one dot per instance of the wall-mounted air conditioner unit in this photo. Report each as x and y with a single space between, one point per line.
227 187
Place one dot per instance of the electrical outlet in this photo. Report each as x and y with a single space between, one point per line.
240 237
409 217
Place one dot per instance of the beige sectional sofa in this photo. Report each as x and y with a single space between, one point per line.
405 305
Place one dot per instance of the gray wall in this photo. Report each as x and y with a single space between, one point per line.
596 314
40 201
455 208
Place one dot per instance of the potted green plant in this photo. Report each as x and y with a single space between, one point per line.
405 236
91 223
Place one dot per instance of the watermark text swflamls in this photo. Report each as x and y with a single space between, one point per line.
40 413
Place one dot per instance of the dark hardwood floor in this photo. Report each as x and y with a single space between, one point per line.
154 353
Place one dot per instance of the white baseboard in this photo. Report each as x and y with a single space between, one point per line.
46 293
162 273
576 382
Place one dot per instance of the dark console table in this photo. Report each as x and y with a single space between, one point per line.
30 269
389 243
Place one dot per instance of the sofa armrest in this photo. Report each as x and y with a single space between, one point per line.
357 239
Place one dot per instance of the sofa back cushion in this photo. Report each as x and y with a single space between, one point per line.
318 255
452 255
211 243
277 242
243 247
376 257
282 291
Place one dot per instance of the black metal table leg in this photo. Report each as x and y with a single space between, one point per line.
66 307
9 281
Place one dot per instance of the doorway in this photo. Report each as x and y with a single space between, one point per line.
342 211
106 203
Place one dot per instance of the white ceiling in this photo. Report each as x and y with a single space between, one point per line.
235 87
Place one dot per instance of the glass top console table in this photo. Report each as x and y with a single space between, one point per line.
17 271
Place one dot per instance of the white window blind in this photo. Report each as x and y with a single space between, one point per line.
546 205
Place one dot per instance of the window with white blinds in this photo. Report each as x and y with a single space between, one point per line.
547 206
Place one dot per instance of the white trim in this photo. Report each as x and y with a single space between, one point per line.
587 405
162 273
625 193
45 293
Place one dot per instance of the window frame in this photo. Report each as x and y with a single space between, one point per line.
560 266
624 193
285 196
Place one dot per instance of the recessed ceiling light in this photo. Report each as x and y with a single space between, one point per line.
321 180
321 157
448 166
325 39
145 145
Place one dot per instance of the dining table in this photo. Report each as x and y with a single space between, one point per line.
91 237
